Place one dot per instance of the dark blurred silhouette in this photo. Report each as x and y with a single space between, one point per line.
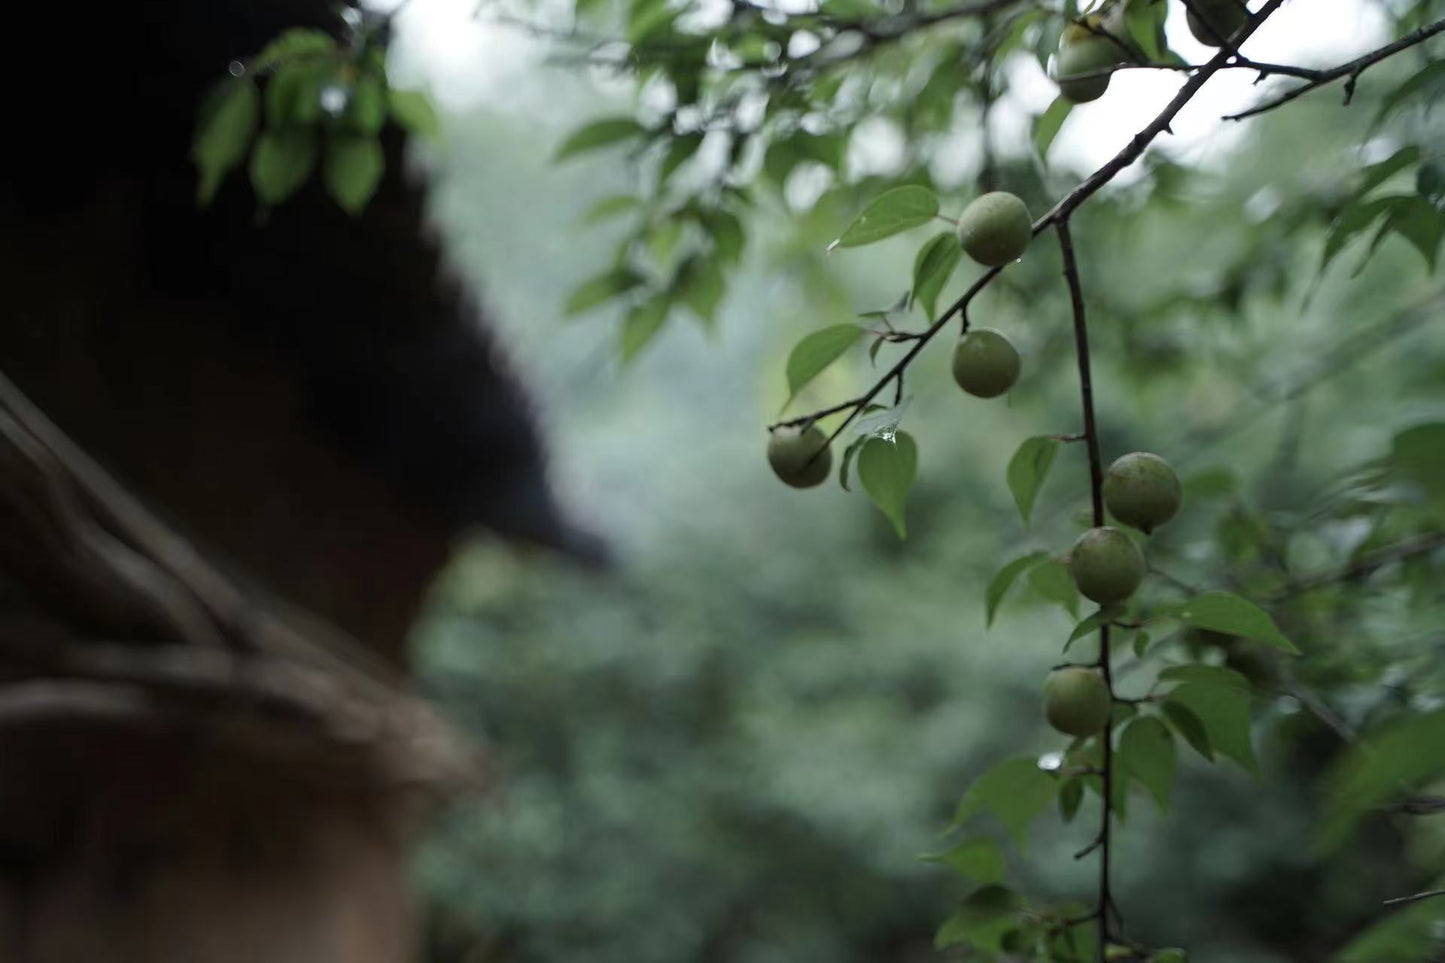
189 769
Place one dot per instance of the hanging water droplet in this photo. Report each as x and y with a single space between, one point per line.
1051 761
333 99
235 68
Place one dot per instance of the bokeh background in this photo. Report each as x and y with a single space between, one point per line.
734 743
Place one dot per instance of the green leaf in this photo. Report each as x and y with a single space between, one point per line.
365 110
1206 675
816 351
932 268
1145 23
849 454
413 112
1093 623
610 207
223 132
1417 221
603 287
891 213
1407 935
1190 726
293 95
699 284
887 470
599 134
1430 182
1027 470
978 858
642 324
1071 795
1351 221
1417 456
1428 78
1224 712
1052 580
1376 174
1004 578
1015 791
1385 765
353 169
1232 615
281 163
1141 644
983 920
726 232
678 152
1047 125
293 44
1147 751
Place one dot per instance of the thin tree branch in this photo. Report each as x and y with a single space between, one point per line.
1428 894
1351 70
1130 153
1096 493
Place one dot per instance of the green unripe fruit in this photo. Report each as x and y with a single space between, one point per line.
1142 490
1216 19
1106 565
1076 701
985 363
791 453
1084 53
995 229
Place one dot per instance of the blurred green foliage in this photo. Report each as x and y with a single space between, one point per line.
736 742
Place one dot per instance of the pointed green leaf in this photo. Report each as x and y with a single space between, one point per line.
816 351
678 152
1224 712
1052 580
999 585
1417 221
353 169
985 917
1015 791
1093 623
1027 470
610 207
1048 124
1232 615
642 324
599 134
1206 675
849 454
1071 794
603 287
1189 725
224 129
413 112
978 858
931 270
281 163
891 213
1376 174
1147 748
887 470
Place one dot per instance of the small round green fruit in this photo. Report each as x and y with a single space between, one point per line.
1081 53
1217 19
1076 701
791 454
985 363
1106 565
1142 490
995 229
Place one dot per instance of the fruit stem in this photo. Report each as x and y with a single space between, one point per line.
1096 493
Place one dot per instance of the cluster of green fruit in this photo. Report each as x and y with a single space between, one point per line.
1091 49
1142 491
993 230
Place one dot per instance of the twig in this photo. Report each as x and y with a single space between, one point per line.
1428 894
1096 493
1351 70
